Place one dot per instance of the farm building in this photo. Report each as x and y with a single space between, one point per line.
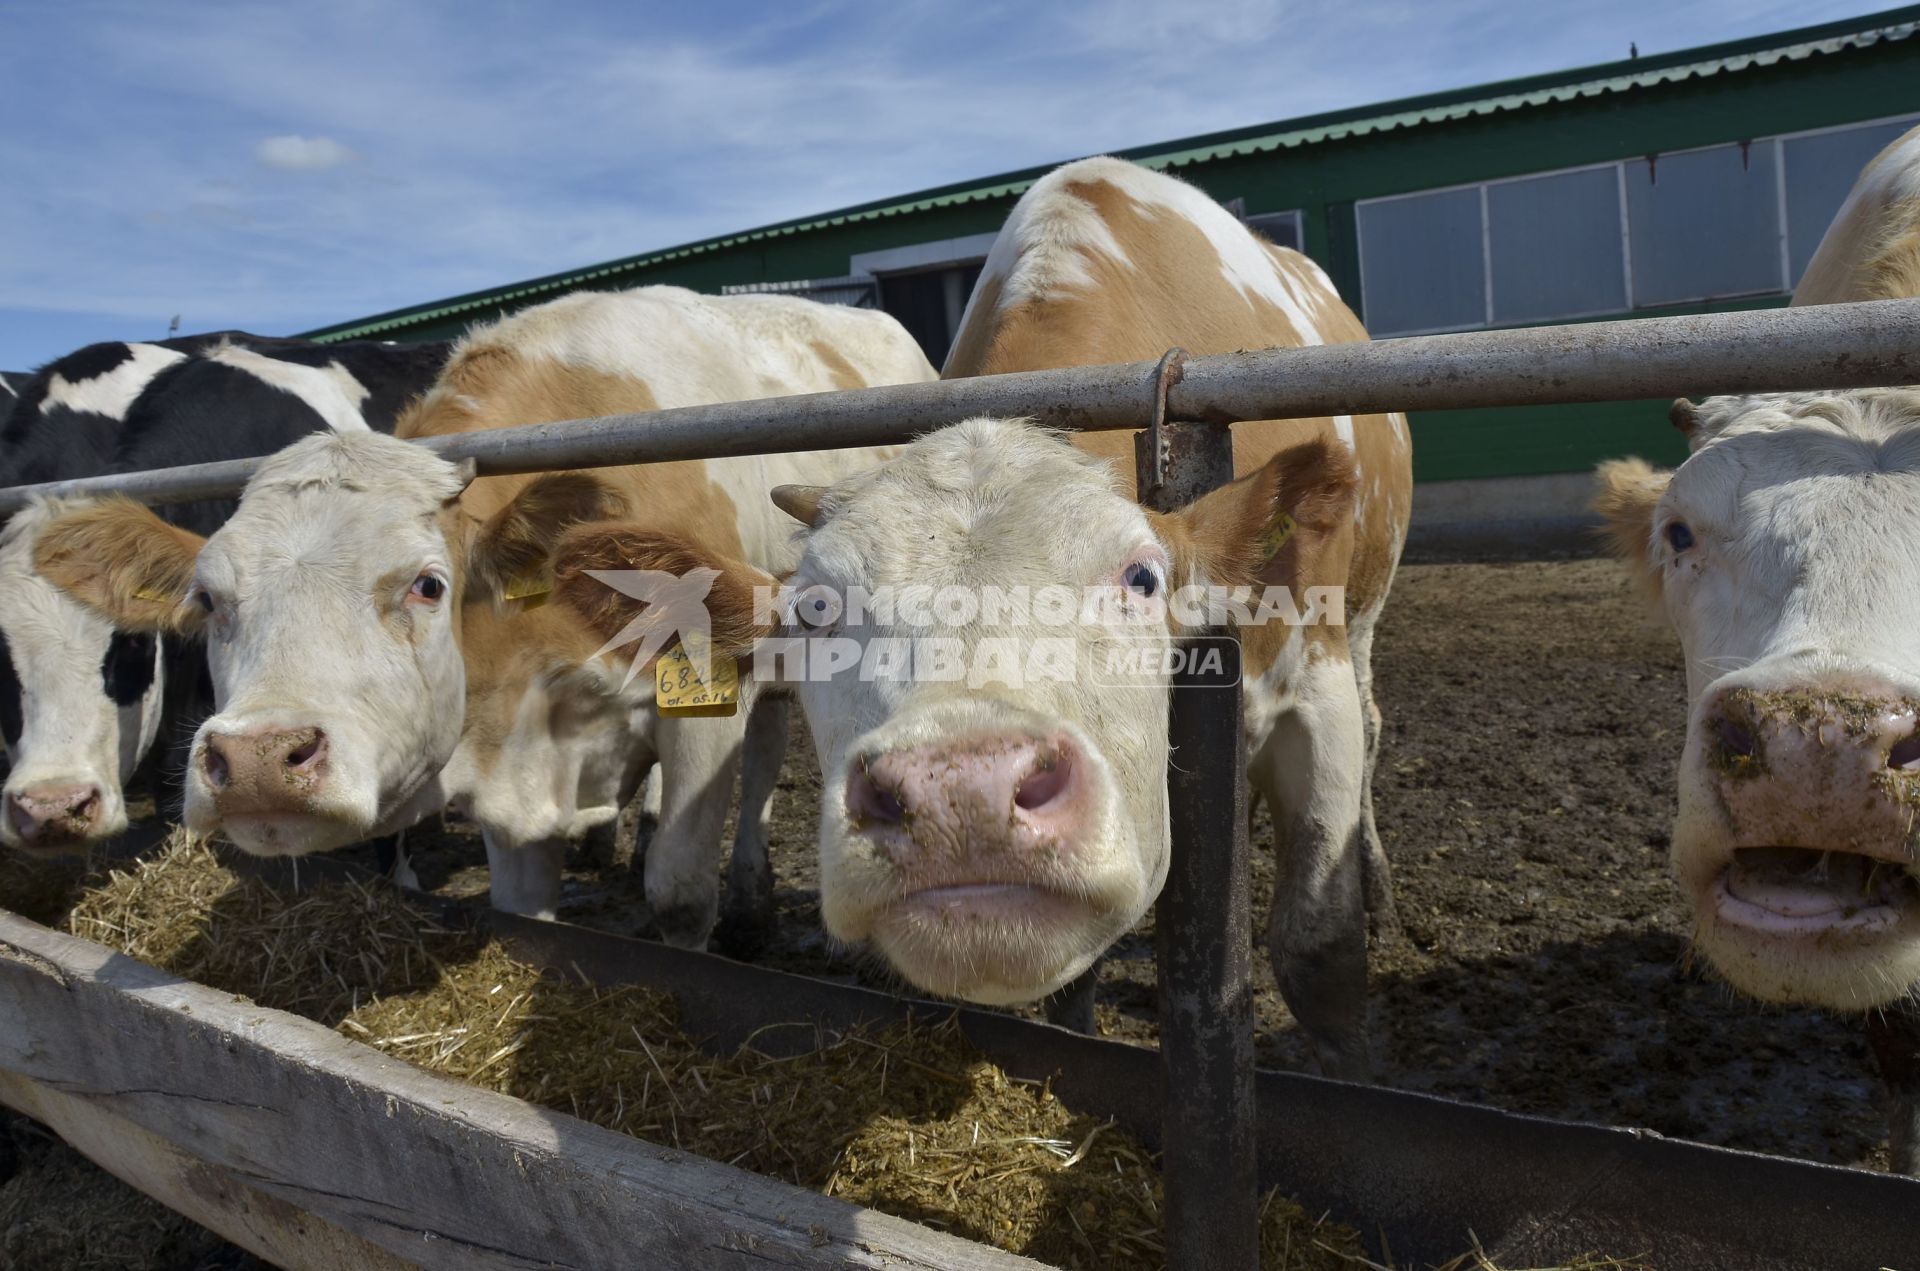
1694 182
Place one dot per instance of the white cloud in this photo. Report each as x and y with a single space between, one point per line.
301 154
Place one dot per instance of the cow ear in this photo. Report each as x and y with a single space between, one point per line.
512 557
1270 527
119 559
1685 416
1627 498
596 570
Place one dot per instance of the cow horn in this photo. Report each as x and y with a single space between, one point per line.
1684 415
801 502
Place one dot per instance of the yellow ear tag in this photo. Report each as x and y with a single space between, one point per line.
155 597
679 691
1279 530
534 591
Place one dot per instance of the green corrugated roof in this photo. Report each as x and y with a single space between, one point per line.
1487 99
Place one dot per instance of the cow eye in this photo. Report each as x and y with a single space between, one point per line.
203 598
1679 537
816 608
428 587
1141 580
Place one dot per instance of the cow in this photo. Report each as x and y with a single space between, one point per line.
991 837
1778 553
10 385
81 703
373 616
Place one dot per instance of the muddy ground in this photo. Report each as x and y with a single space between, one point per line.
1532 718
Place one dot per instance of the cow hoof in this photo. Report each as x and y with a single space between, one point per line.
683 926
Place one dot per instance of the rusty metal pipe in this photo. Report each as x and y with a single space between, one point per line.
1828 346
1203 921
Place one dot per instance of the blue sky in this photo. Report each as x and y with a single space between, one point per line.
277 167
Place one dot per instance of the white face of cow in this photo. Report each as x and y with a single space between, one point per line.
992 833
328 603
1783 554
79 704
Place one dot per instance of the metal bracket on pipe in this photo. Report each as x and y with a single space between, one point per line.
1151 463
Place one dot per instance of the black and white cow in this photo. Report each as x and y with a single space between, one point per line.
80 704
10 384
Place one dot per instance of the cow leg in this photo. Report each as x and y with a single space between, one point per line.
1383 921
1894 1035
699 759
525 878
749 905
1310 774
390 858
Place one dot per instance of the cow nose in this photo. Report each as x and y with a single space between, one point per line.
1797 732
985 781
53 814
291 759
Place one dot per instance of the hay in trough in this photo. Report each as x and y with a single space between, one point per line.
910 1120
319 953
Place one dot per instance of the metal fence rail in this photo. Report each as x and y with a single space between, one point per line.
1831 346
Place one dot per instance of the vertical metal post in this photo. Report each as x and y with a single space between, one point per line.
1203 920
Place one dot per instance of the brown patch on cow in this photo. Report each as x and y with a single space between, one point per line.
119 559
508 649
512 554
1225 536
493 387
507 652
731 602
1172 293
840 370
1628 493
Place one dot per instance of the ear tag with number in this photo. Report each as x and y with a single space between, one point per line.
1279 530
679 691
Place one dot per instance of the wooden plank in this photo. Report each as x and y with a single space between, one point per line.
259 1223
435 1172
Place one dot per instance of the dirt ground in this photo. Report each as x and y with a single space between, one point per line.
1532 713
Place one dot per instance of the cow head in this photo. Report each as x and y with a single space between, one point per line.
330 607
995 791
79 703
1780 553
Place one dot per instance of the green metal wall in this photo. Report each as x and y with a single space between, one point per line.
1324 180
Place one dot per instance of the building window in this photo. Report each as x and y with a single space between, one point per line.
1709 224
1422 266
1282 228
1821 168
1705 224
1555 246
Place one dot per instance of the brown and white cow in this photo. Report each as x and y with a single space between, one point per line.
371 615
1781 554
992 835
